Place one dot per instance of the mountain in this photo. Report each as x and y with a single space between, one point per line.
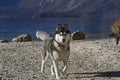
8 2
85 9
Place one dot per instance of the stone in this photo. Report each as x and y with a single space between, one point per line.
78 35
22 38
4 41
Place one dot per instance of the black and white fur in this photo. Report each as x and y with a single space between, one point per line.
57 49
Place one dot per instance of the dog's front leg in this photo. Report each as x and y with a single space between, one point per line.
55 64
64 71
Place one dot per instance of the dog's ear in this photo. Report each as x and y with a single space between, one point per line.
58 28
66 27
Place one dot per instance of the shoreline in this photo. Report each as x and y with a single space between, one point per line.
89 60
9 37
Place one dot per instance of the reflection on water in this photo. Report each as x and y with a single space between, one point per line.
10 29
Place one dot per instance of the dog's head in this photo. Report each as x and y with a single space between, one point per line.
63 34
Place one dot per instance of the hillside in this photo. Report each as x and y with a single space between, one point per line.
85 9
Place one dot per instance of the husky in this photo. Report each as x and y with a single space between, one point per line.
58 49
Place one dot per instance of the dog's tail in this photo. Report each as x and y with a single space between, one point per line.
43 35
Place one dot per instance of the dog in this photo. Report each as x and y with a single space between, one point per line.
116 31
58 49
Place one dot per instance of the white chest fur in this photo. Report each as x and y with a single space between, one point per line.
60 52
60 56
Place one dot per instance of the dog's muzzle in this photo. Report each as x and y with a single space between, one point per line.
63 40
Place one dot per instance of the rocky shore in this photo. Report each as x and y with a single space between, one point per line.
89 60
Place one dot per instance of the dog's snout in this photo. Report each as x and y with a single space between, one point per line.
63 40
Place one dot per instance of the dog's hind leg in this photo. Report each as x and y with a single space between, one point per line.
64 71
52 70
44 59
42 66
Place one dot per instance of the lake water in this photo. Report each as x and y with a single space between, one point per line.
12 28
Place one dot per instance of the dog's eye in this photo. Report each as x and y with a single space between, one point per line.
60 34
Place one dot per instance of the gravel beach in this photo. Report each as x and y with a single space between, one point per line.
89 60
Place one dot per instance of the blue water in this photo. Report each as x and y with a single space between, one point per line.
12 28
